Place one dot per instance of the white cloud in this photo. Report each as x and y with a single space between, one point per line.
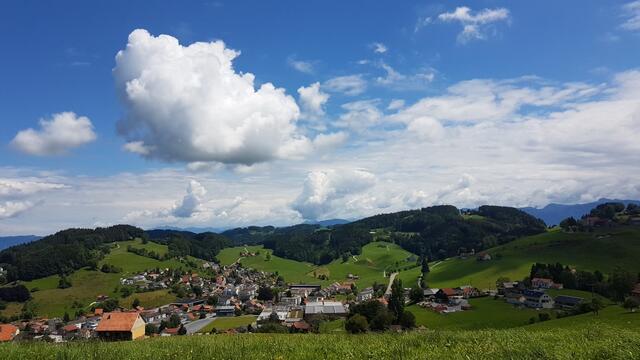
312 100
56 136
426 128
325 142
350 84
9 209
398 81
474 25
187 103
631 14
379 48
396 104
301 66
360 115
191 202
137 147
324 190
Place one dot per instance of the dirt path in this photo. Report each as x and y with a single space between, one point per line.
391 278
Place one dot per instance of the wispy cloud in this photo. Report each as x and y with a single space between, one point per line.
474 24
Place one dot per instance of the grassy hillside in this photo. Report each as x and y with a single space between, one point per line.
614 316
376 258
586 343
487 313
601 250
87 285
225 323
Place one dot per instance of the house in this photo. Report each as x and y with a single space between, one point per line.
326 308
121 326
537 299
468 291
430 293
8 332
308 287
225 310
567 302
445 293
542 283
364 295
483 256
291 300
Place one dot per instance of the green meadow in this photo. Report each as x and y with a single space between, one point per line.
225 323
588 342
601 250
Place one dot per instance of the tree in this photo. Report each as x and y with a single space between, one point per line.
408 320
416 295
596 305
425 265
135 303
66 318
631 303
382 320
396 300
621 282
197 290
174 321
182 330
150 329
268 257
64 282
356 324
265 293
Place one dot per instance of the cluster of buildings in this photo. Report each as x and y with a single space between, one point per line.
449 300
535 296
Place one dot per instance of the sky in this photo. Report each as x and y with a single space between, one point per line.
224 114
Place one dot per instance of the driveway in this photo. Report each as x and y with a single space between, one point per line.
195 326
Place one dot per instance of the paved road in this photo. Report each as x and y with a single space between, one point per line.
391 278
195 326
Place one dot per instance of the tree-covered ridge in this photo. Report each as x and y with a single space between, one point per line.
249 235
182 243
63 251
435 232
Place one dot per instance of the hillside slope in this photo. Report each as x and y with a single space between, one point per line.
600 250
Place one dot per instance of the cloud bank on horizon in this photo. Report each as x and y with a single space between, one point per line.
376 137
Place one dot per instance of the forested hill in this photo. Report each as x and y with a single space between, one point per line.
436 232
180 243
62 252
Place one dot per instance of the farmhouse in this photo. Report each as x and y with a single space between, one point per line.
8 332
537 299
515 298
120 326
542 283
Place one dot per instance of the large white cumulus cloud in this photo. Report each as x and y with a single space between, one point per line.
323 190
187 103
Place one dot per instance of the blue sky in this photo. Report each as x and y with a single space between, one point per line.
487 97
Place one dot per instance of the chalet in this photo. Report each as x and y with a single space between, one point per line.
542 283
468 291
446 293
8 332
121 326
537 299
430 293
567 302
225 310
364 295
483 256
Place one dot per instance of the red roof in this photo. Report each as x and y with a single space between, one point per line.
70 328
449 291
7 332
117 321
171 331
98 311
301 325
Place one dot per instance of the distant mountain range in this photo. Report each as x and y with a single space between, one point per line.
552 214
9 241
219 230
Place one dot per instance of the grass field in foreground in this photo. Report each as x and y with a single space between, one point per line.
563 344
613 316
601 250
487 313
225 323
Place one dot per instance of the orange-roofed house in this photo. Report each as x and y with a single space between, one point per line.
98 312
121 326
8 332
